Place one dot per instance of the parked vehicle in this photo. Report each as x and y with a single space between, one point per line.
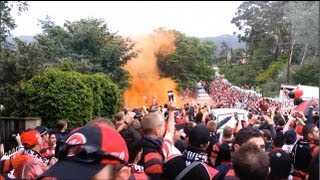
222 113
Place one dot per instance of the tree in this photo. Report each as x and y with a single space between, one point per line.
224 51
90 46
7 23
238 55
303 16
192 61
239 74
7 59
270 74
258 19
307 74
19 61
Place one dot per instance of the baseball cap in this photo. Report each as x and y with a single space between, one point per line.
42 129
199 134
29 138
88 150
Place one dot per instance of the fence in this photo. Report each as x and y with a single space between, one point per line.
9 126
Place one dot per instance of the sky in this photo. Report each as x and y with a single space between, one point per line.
194 18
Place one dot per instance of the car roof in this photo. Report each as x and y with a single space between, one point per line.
228 110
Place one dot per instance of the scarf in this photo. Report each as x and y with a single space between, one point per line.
192 154
35 155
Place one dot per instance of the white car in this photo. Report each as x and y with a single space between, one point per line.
222 113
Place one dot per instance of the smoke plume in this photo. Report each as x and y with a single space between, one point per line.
146 82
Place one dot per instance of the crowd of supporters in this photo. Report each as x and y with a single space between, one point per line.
162 142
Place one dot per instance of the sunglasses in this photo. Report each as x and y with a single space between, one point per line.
90 154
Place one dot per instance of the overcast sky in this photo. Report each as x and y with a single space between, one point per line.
200 18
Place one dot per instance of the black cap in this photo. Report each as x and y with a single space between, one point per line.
199 134
42 129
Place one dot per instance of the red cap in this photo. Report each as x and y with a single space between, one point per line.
29 138
299 129
103 137
98 136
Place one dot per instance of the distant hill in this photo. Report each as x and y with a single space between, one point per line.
27 39
231 40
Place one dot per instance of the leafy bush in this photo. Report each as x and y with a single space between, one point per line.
307 74
106 95
271 73
57 94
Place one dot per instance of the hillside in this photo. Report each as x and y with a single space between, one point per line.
23 38
231 40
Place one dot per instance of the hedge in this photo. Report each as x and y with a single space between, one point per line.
57 94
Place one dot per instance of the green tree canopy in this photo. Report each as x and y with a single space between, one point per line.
307 74
270 74
7 23
192 61
90 46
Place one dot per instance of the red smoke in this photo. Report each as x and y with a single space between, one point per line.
146 82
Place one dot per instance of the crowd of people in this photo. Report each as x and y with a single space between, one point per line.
162 143
224 95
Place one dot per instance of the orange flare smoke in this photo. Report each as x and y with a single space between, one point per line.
146 82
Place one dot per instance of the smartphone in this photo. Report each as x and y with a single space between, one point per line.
170 95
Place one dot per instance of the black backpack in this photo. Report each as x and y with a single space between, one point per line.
224 154
301 155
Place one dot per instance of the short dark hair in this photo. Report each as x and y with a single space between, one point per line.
61 123
133 142
119 116
267 134
227 132
52 132
250 162
279 140
245 134
187 128
308 128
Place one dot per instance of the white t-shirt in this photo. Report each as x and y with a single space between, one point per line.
287 148
168 148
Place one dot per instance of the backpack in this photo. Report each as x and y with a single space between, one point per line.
224 154
301 155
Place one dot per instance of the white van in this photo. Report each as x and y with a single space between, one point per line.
222 113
